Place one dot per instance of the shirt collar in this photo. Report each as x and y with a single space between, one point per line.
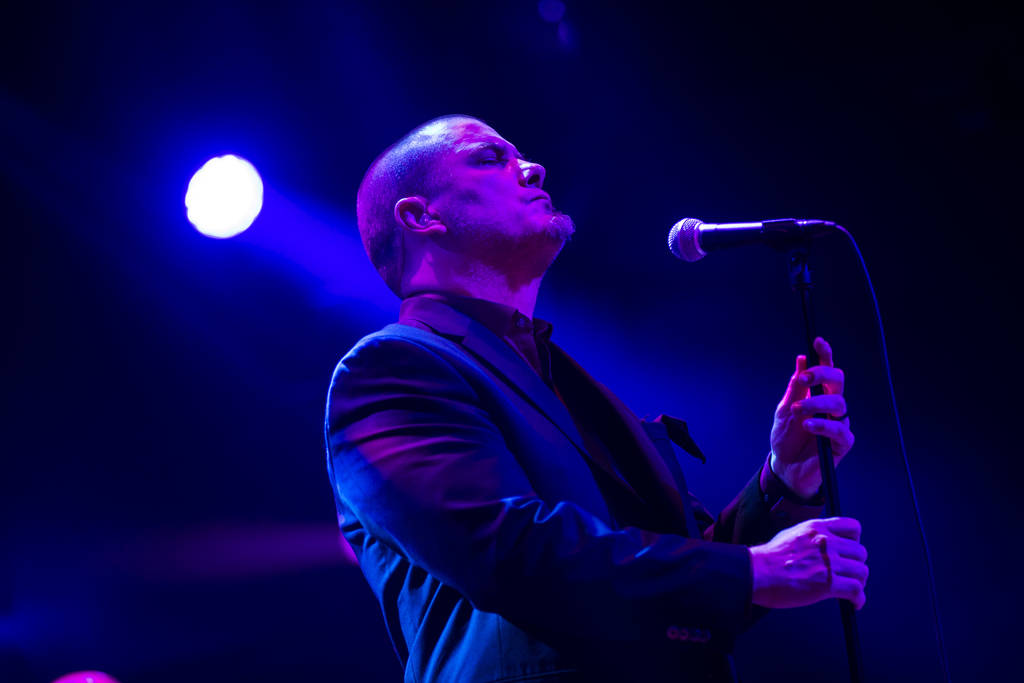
504 321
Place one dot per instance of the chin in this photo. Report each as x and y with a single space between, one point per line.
560 226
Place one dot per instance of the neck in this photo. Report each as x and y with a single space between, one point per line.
479 282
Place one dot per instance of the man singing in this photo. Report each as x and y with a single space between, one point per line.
515 520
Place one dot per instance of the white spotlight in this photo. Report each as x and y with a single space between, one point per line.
224 196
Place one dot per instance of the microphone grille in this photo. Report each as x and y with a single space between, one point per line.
684 240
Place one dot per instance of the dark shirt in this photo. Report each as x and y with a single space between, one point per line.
528 337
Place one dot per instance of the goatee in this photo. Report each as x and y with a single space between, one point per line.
561 226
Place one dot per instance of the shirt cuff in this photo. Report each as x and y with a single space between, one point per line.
783 502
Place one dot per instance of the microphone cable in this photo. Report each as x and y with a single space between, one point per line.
943 658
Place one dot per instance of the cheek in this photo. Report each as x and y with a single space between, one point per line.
481 201
467 196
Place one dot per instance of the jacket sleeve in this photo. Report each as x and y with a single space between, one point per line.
764 507
424 468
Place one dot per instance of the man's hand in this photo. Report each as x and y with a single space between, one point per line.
809 562
794 447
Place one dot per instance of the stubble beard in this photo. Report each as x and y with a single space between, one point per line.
520 257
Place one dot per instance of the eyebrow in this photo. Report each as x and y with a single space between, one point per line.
496 146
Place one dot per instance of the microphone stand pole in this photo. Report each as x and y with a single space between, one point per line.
800 279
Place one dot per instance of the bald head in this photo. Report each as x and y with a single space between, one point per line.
407 168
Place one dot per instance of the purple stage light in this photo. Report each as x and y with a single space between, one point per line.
224 196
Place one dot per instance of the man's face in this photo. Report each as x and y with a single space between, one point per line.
491 199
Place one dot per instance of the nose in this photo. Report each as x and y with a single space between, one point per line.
531 174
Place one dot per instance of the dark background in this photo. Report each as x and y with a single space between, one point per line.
169 512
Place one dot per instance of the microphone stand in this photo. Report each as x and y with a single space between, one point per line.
800 279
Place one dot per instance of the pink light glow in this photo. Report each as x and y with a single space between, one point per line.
86 677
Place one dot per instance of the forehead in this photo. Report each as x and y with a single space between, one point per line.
466 134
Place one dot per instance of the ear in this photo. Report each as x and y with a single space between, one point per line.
414 214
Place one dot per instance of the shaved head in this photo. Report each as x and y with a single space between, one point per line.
407 168
452 205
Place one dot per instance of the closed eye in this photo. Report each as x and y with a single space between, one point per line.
491 154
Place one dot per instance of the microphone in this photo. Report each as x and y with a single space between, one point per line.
691 239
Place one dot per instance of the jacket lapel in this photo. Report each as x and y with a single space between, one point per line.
502 360
670 482
662 437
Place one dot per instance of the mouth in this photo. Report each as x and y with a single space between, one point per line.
543 195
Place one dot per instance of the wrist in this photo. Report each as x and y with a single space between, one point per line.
802 479
756 571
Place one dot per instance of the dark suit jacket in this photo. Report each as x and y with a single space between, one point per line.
466 492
